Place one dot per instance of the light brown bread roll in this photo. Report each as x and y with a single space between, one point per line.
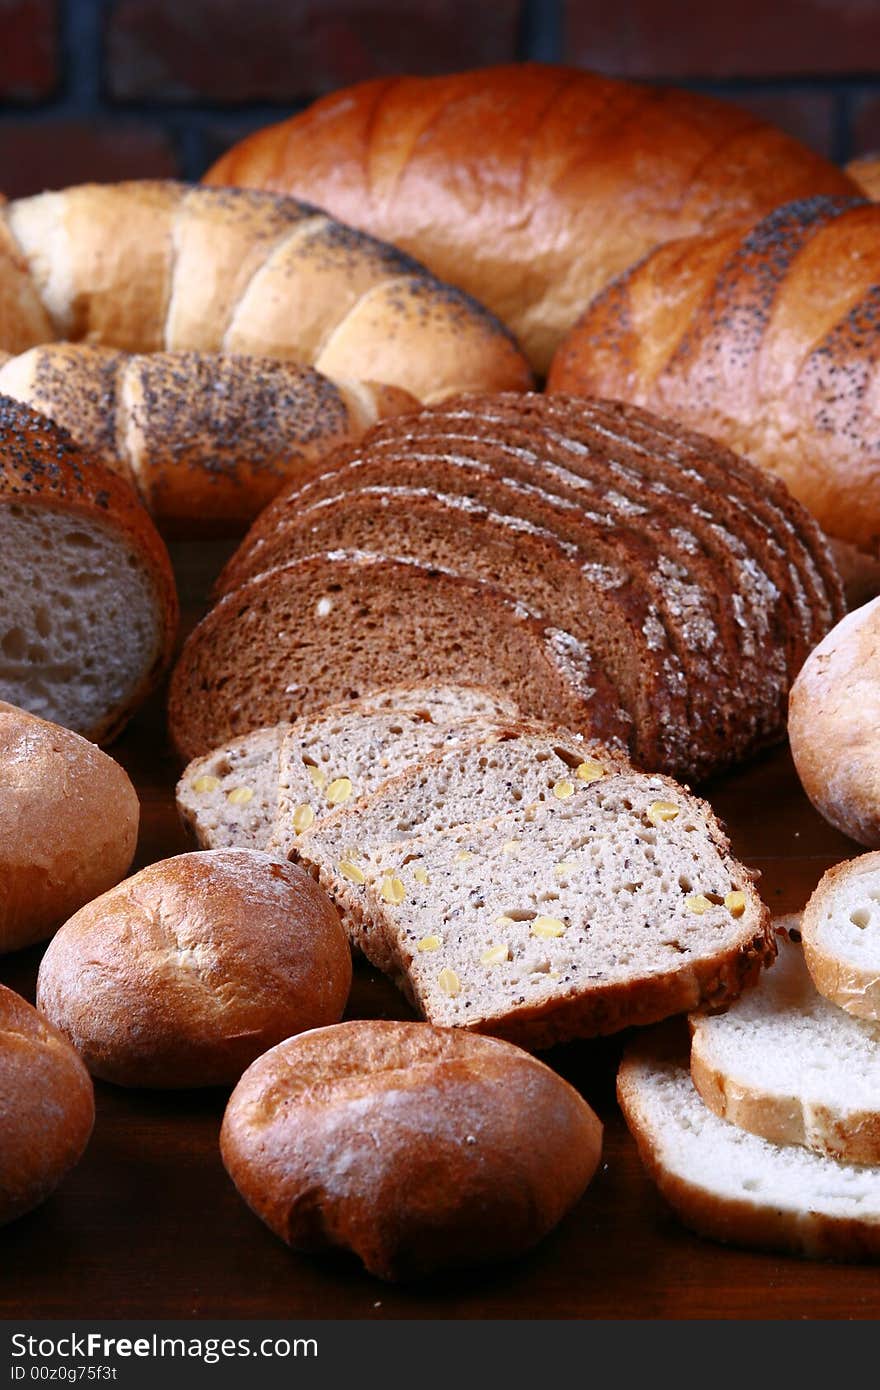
865 171
206 439
89 608
158 266
417 1148
529 185
68 825
834 725
187 971
47 1107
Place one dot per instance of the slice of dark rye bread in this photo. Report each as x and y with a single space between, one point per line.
509 888
338 625
236 794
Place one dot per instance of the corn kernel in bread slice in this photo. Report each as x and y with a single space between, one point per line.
563 917
841 931
230 796
785 1063
734 1186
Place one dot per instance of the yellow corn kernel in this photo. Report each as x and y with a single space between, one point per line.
206 784
547 926
563 789
430 943
420 874
240 796
339 790
449 982
318 776
351 872
303 816
698 903
660 811
496 955
589 771
391 890
735 903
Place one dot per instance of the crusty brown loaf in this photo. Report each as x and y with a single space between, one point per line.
68 825
187 971
531 186
834 725
159 266
764 338
417 1148
46 480
865 171
206 439
47 1106
336 626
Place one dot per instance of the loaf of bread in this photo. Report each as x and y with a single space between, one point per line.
187 971
416 1148
47 1106
159 266
89 610
833 724
256 790
206 439
841 934
865 171
526 884
531 186
734 1186
695 582
68 826
340 625
764 337
785 1063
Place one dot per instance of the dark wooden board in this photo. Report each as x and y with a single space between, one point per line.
149 1225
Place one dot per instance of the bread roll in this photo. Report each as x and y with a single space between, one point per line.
415 1147
865 172
47 1107
531 186
68 825
158 266
206 439
834 725
841 935
89 611
765 338
185 973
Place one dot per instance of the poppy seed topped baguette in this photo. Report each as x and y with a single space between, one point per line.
339 625
231 796
511 889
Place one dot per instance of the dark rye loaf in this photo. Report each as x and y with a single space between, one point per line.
336 626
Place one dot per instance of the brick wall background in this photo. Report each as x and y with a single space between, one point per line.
108 89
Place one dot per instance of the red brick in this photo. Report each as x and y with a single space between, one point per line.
29 49
52 154
753 38
226 51
808 116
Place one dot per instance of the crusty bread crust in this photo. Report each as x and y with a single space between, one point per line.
68 825
833 723
529 185
151 266
187 971
40 466
48 1107
417 1148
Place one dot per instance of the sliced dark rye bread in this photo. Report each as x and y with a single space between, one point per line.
231 795
339 625
581 906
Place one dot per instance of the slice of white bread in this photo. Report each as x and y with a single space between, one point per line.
734 1186
841 934
588 905
785 1063
231 795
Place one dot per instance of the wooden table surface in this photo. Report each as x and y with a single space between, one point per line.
149 1225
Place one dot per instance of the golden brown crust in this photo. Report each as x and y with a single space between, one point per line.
529 185
417 1148
40 466
68 825
765 339
851 985
187 971
865 171
48 1107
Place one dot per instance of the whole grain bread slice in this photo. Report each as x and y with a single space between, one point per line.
733 1186
338 625
784 1063
512 889
231 795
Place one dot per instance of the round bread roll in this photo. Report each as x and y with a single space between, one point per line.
841 936
834 725
187 971
68 825
47 1107
415 1147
